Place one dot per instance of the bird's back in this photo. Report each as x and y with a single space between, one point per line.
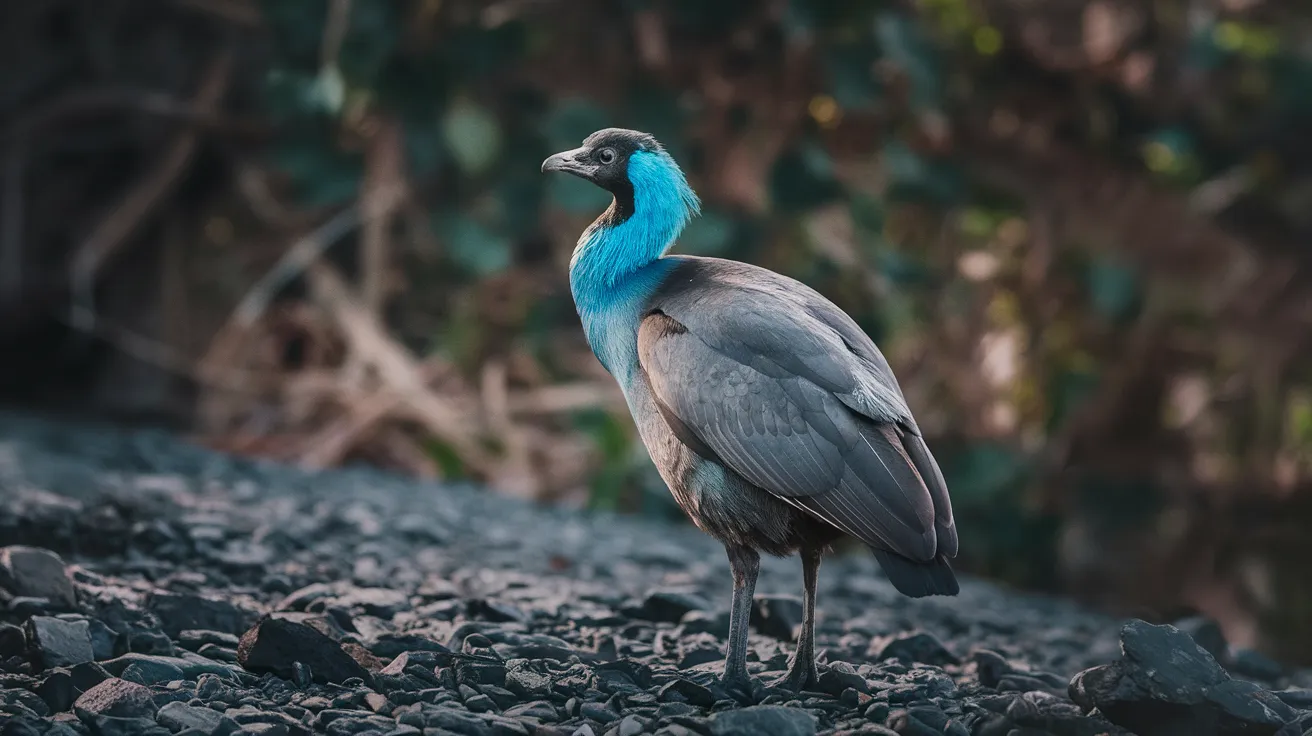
763 397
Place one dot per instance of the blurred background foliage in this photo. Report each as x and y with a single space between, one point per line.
315 230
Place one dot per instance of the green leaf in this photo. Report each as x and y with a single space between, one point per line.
850 78
474 247
321 174
1114 289
371 37
423 149
902 42
1067 391
473 136
289 95
912 177
867 213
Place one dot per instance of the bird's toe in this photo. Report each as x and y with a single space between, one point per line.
801 676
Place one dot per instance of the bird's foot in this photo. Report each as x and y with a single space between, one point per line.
801 676
739 687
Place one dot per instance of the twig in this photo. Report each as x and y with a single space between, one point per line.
384 179
564 398
395 367
516 472
334 32
329 446
128 215
103 101
297 258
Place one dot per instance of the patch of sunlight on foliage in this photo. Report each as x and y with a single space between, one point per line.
473 136
1004 308
1244 39
613 442
447 459
988 40
1298 420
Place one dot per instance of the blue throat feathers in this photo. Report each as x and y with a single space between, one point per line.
617 265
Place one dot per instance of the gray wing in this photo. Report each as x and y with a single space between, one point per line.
781 387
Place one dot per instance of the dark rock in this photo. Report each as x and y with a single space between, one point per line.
88 675
763 720
389 646
488 610
59 643
106 643
687 691
919 646
274 644
527 679
250 717
598 712
990 667
840 676
384 603
180 612
180 717
300 600
194 639
151 672
113 726
1206 633
116 698
57 690
1165 683
12 641
777 615
1300 698
476 672
706 622
218 653
666 606
1253 664
22 702
37 573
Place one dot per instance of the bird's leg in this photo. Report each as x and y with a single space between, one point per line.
746 564
801 670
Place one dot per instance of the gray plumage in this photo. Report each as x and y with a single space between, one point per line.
775 421
767 380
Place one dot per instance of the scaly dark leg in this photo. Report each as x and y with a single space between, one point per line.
746 564
801 670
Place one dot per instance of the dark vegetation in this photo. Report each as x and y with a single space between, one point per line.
316 231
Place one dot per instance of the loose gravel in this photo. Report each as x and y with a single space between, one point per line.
151 587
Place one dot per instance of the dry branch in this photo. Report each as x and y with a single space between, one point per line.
126 216
396 368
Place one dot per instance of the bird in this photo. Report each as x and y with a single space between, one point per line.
776 422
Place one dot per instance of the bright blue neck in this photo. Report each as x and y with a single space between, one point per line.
616 266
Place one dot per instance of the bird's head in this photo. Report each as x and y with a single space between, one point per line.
647 184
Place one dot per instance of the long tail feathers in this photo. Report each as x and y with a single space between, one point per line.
918 579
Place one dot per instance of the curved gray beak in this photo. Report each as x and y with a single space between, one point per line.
570 162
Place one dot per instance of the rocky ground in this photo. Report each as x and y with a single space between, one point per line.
149 587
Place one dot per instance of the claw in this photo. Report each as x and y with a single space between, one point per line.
800 677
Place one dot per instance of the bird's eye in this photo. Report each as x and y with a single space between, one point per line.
606 156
